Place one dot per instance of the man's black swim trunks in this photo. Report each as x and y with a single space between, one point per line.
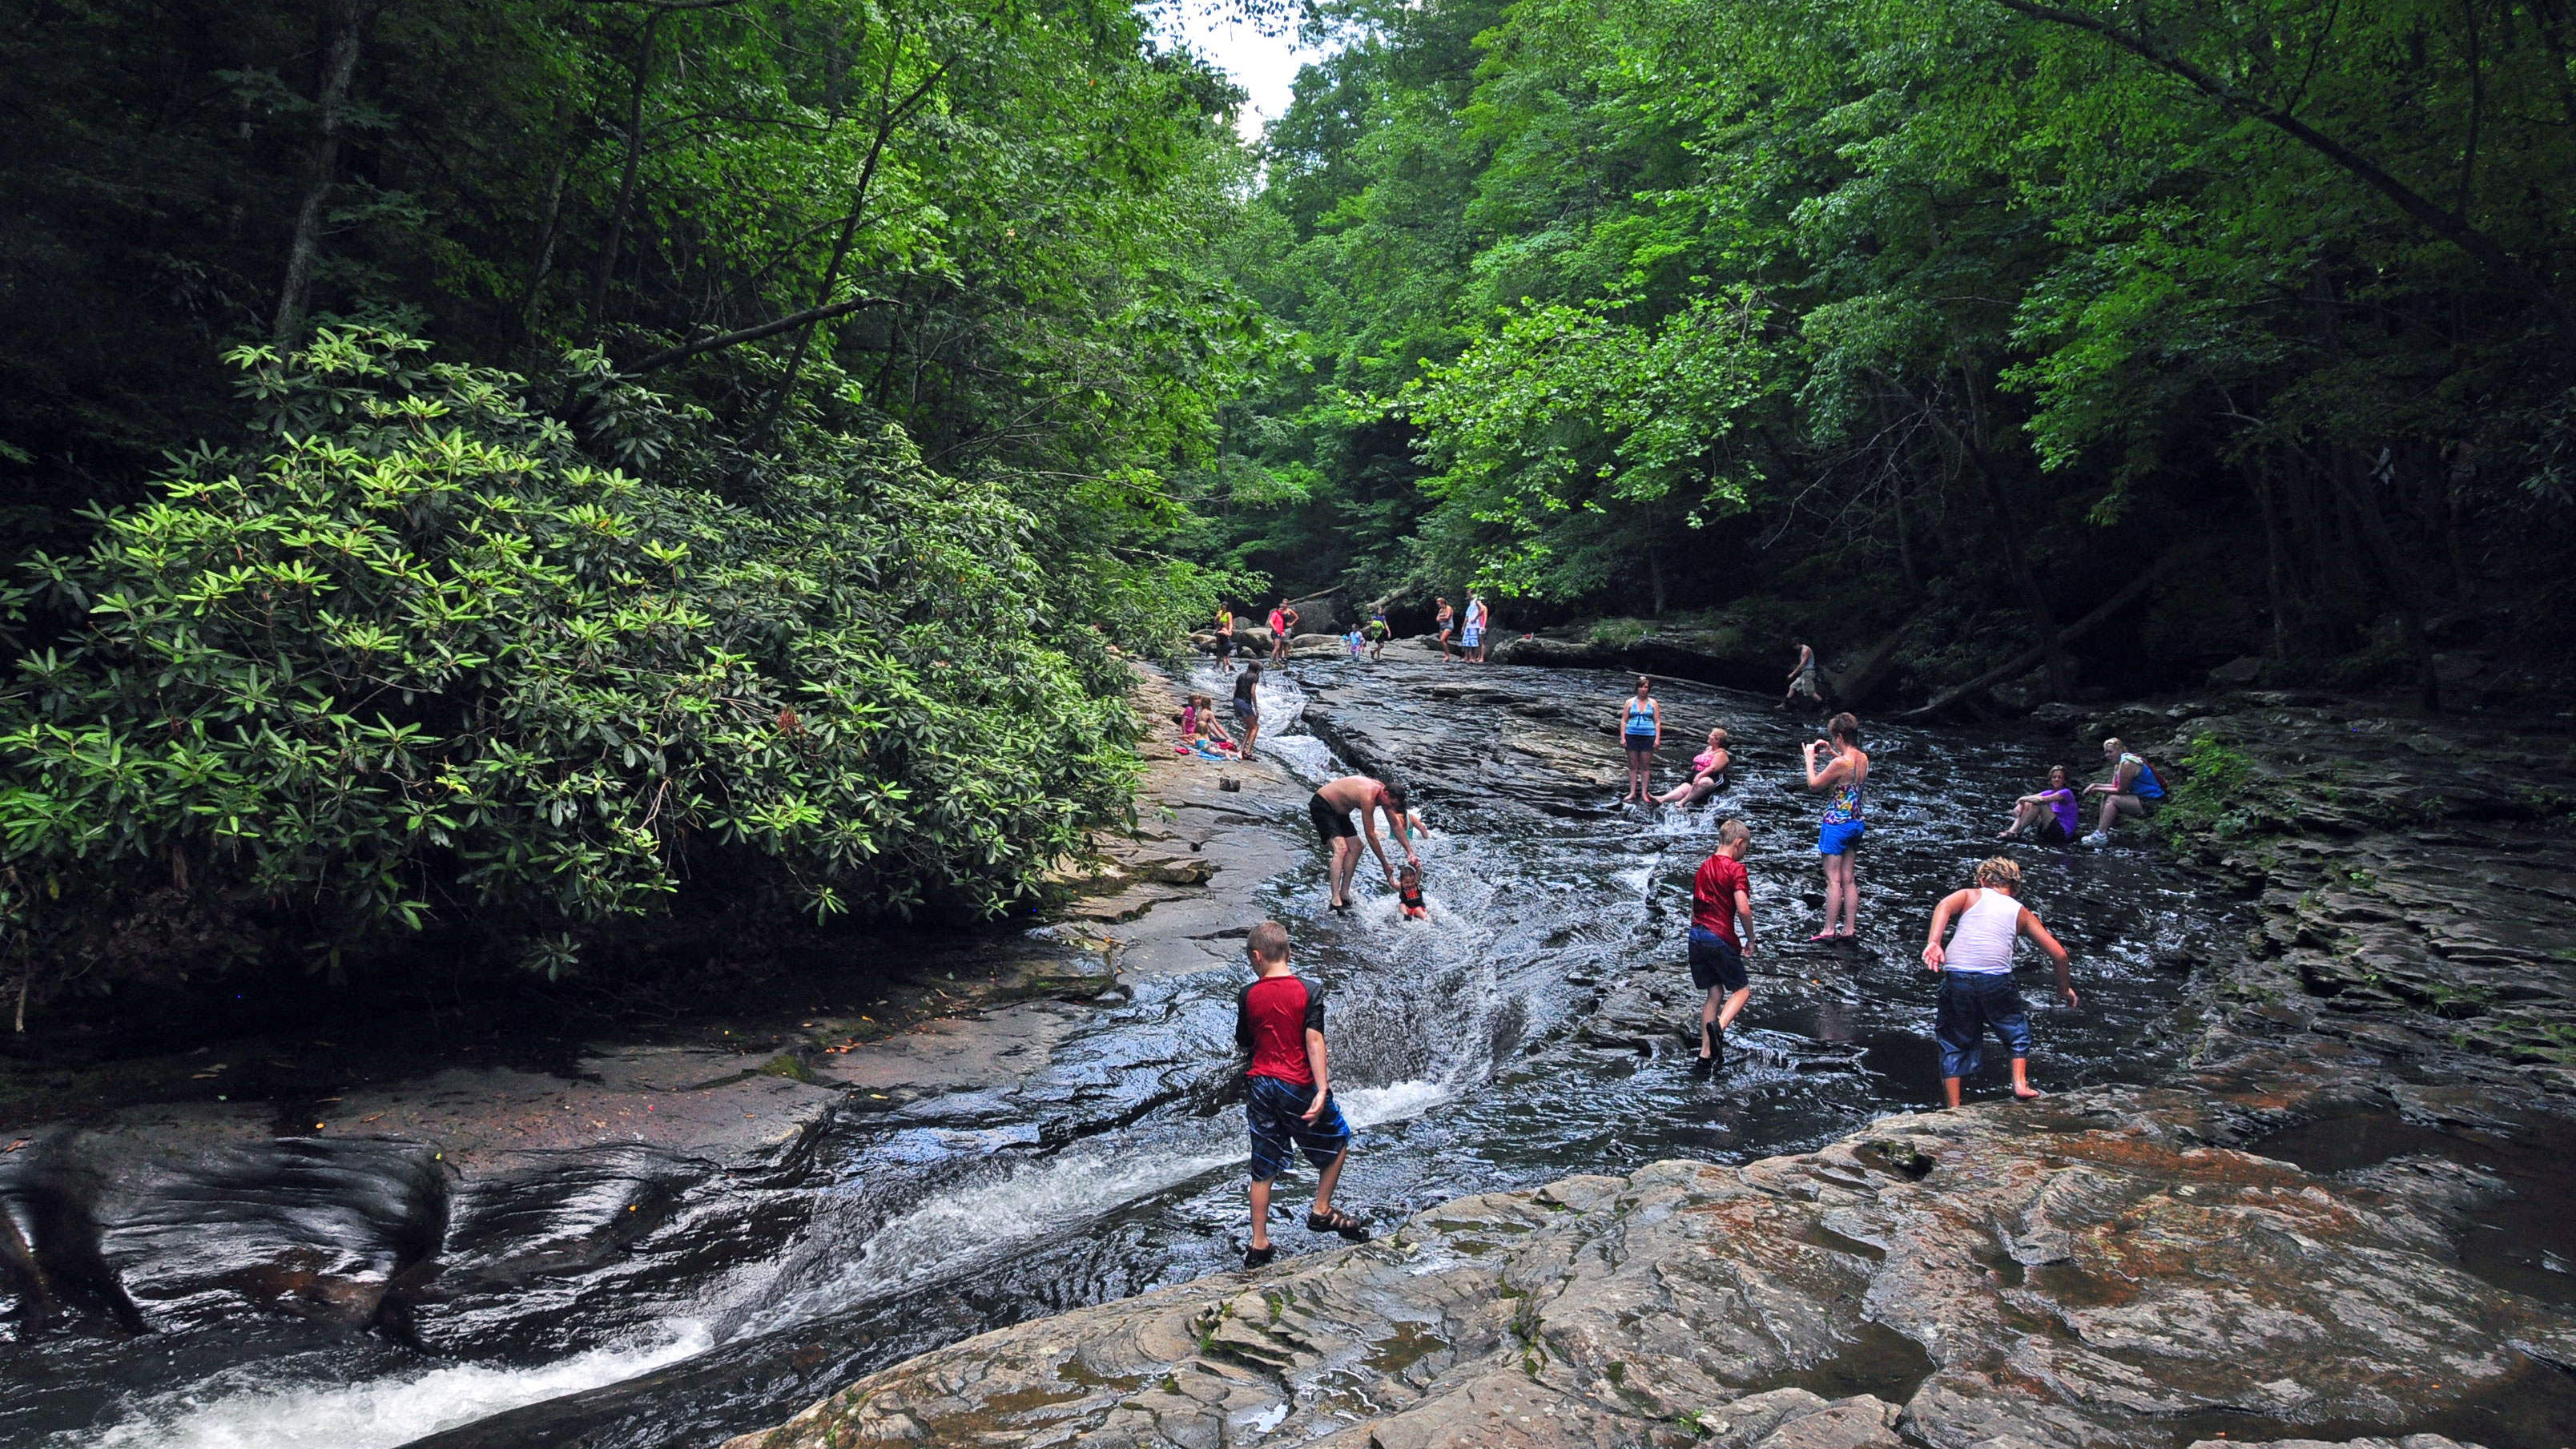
1331 822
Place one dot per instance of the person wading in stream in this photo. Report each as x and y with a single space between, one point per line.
1838 834
1283 622
1721 903
2133 789
1803 679
1641 728
1976 975
1247 706
1288 1102
1331 809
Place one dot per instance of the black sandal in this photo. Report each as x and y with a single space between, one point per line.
1260 1257
1337 1221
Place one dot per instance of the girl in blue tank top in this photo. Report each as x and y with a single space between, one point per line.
1641 729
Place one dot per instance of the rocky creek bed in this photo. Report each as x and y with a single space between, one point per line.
2300 1173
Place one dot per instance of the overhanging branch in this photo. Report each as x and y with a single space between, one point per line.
787 323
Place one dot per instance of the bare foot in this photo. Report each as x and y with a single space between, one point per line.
2026 1093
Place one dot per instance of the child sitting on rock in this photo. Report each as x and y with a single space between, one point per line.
1199 728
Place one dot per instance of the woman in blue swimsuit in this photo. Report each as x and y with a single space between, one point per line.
2133 789
1641 729
1838 834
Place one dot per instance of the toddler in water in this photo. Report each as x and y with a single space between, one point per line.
1352 639
1408 892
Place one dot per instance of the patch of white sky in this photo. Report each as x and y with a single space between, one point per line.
1263 57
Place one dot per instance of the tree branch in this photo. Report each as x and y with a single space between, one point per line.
754 334
2450 226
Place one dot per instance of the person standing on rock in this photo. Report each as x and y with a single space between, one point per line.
1247 706
1708 774
1977 988
1447 620
1378 631
1484 629
1838 834
1288 1099
1803 679
1283 620
1225 637
1331 809
2133 789
1721 904
1471 635
1640 730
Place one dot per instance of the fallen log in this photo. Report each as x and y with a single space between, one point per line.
1853 692
2029 659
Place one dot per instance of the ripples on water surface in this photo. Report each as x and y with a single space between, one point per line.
1454 1050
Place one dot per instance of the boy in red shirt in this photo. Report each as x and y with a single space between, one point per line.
1288 1090
1721 904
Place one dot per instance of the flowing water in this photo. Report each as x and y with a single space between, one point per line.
1459 1049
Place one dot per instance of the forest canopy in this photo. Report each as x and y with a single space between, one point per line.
1964 314
510 477
489 477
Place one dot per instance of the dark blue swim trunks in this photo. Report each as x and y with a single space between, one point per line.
1715 961
1276 1112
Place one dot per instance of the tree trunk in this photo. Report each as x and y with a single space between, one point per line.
345 24
2274 591
2061 679
555 182
617 215
2021 663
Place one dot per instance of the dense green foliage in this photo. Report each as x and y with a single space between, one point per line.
488 481
1964 311
427 660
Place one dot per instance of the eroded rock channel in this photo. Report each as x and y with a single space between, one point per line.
2250 1208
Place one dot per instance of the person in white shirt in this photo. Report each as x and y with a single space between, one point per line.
1976 975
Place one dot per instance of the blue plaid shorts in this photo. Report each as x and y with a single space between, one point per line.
1276 1111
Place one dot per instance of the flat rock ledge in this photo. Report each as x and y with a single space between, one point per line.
2089 1270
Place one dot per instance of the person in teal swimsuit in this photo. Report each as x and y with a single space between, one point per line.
1838 834
1641 729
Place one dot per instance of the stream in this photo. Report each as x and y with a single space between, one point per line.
1459 1045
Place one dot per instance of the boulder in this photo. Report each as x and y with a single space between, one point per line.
2083 1270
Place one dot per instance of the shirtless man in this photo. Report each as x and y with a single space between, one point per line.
1331 809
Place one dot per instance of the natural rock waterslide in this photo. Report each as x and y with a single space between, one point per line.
2108 1267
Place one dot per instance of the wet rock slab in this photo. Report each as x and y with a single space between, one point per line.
2088 1271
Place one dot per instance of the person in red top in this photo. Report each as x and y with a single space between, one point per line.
1721 906
1288 1100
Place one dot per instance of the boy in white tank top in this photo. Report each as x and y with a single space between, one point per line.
1976 975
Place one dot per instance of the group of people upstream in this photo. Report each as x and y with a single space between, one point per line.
1969 944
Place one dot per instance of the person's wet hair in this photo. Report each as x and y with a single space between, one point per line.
2000 871
1844 727
1268 942
1400 798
